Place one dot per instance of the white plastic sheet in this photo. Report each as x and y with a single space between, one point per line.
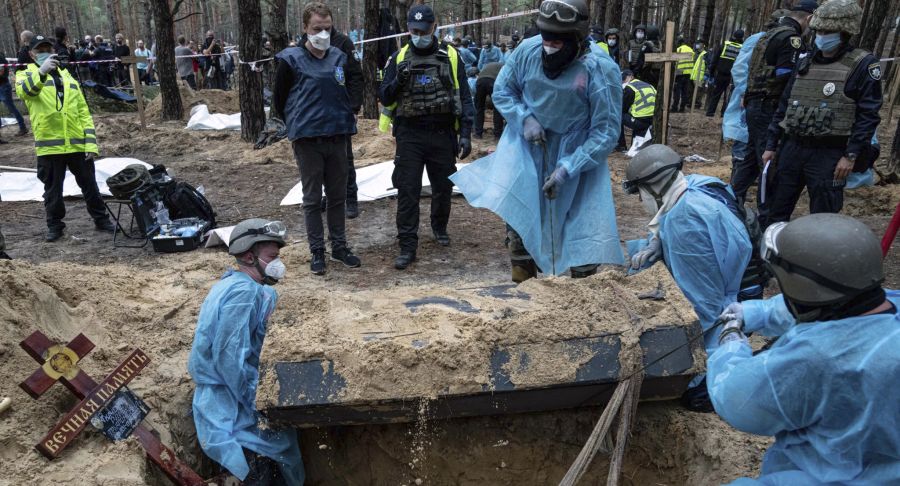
25 186
202 119
374 183
639 142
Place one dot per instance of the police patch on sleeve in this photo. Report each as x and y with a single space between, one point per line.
875 71
796 42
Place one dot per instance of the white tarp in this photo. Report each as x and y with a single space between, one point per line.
25 186
7 121
638 142
374 183
202 119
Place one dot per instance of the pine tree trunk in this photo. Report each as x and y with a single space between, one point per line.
706 32
495 10
627 12
370 61
640 12
479 13
467 15
873 14
14 11
204 9
167 75
146 28
253 117
886 28
113 18
614 19
718 29
598 14
277 15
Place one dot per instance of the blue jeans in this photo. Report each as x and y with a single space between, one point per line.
7 99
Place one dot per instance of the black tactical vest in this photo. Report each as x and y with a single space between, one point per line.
818 106
430 88
761 75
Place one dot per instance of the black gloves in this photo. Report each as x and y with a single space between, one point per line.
465 147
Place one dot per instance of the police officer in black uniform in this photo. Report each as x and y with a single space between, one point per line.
720 69
771 64
827 116
426 95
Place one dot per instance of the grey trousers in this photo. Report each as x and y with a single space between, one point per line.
323 161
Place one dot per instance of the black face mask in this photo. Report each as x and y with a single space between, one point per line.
554 64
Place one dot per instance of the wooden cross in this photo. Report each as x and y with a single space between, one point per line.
60 363
132 61
667 57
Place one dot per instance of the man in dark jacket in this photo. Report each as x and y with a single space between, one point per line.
312 95
484 88
426 97
354 71
6 97
720 69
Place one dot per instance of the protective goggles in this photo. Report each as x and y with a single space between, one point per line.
274 229
561 10
631 187
770 254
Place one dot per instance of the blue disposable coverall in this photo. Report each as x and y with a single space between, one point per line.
224 364
706 249
580 112
734 123
826 390
488 56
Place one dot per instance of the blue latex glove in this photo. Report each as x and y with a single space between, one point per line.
533 130
553 183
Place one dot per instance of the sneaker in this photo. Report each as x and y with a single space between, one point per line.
404 260
105 226
317 265
53 234
346 256
352 209
441 237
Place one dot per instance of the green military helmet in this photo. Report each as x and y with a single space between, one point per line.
651 165
564 16
837 16
256 230
823 259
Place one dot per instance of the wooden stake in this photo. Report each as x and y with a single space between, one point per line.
691 112
578 468
626 415
667 83
136 82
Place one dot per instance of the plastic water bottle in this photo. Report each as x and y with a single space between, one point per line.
162 214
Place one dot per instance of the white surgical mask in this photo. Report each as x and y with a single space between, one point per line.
321 41
275 269
827 42
639 35
611 42
41 57
550 50
649 202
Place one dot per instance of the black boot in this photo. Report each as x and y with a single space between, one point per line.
404 260
317 265
4 256
53 234
106 226
441 237
345 256
352 209
523 270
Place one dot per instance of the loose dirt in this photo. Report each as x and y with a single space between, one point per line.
126 298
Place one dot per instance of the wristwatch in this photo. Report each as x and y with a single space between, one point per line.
851 157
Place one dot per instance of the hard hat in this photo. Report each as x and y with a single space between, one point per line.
822 259
256 230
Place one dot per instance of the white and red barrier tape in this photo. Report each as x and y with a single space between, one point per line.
16 64
458 24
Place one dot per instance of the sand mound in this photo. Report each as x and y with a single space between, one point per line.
217 100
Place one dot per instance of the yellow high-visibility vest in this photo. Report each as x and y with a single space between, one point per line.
644 98
387 112
59 128
603 46
731 50
685 66
699 71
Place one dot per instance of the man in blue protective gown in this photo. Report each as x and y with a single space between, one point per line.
827 388
698 233
561 97
224 363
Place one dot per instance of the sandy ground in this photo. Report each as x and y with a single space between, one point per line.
126 298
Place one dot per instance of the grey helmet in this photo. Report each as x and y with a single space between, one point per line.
651 165
252 231
822 261
564 16
838 16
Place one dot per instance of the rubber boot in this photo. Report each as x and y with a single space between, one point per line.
583 271
523 270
